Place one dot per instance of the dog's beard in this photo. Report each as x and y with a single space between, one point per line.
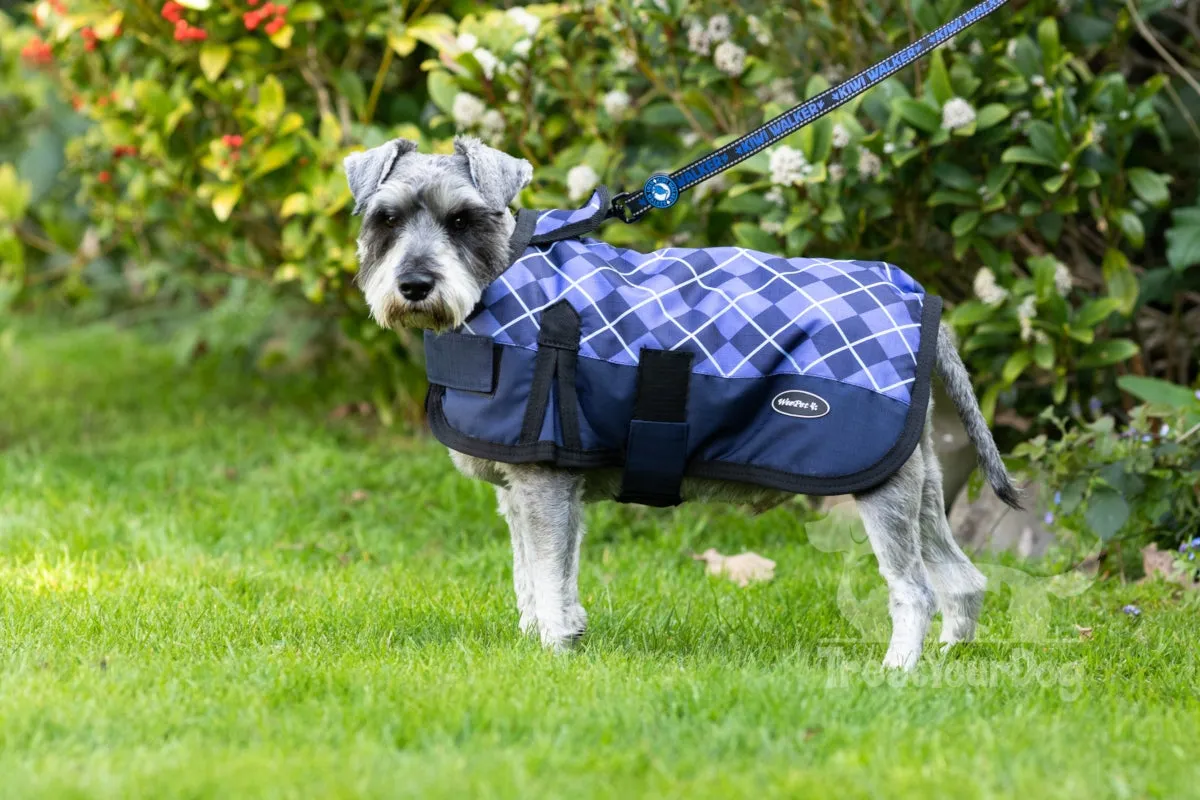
454 296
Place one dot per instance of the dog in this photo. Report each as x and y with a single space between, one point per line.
437 232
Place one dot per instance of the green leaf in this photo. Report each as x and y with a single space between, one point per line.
14 194
921 116
944 197
296 203
275 157
1183 239
1026 155
401 43
956 177
1106 513
1015 365
752 237
1048 41
271 100
306 12
1103 354
282 38
224 199
964 223
970 312
442 90
1094 312
990 115
214 57
1043 355
1122 283
1158 392
662 115
939 79
1131 227
1151 187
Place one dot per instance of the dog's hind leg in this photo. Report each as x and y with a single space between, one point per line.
959 586
545 517
891 514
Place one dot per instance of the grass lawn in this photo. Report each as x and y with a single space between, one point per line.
208 588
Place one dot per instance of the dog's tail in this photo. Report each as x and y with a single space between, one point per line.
958 386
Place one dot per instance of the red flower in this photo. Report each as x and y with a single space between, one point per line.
253 2
89 39
232 140
59 6
251 19
172 12
37 53
274 25
105 176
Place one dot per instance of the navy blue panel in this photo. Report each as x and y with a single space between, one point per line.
731 420
460 361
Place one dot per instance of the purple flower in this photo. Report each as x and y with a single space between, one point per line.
1048 518
1132 610
1147 438
1095 405
1198 394
1196 542
1191 556
1058 498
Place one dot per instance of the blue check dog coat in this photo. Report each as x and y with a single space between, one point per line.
802 374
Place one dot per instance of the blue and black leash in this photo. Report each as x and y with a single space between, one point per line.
663 190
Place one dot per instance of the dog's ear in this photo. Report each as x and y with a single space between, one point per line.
365 171
498 176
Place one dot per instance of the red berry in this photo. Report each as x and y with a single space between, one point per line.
89 45
281 10
105 176
274 25
252 2
58 6
199 34
171 11
250 20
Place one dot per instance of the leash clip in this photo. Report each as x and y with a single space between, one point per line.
619 209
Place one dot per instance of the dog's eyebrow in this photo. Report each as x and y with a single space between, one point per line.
442 199
397 197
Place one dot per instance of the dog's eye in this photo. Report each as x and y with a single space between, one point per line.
391 220
459 222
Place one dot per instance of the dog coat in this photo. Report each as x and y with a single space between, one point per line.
803 374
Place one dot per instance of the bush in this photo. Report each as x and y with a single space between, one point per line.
1131 484
1030 171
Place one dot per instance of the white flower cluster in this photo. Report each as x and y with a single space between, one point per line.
759 30
467 110
957 113
616 103
1020 118
699 41
719 28
487 61
581 180
836 172
975 48
779 91
526 20
730 59
986 288
775 197
841 136
869 164
493 125
788 166
466 42
772 227
625 60
1025 314
1062 279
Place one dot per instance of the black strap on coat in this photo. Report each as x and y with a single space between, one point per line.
656 450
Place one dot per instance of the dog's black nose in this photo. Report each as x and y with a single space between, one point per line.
416 287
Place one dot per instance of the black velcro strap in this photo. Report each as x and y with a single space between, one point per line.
656 451
460 361
558 347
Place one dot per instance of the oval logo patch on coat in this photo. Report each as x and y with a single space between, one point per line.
798 403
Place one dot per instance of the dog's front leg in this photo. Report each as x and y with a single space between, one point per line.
545 516
522 579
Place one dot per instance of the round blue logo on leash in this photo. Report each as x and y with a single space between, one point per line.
660 191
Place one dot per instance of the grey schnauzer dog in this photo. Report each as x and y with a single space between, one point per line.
436 231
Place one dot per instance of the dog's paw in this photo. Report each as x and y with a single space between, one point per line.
564 633
903 660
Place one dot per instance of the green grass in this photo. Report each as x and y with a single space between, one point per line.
210 589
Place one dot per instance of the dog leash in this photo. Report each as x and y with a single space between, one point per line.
662 190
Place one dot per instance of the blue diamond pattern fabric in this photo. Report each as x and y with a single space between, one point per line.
742 313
